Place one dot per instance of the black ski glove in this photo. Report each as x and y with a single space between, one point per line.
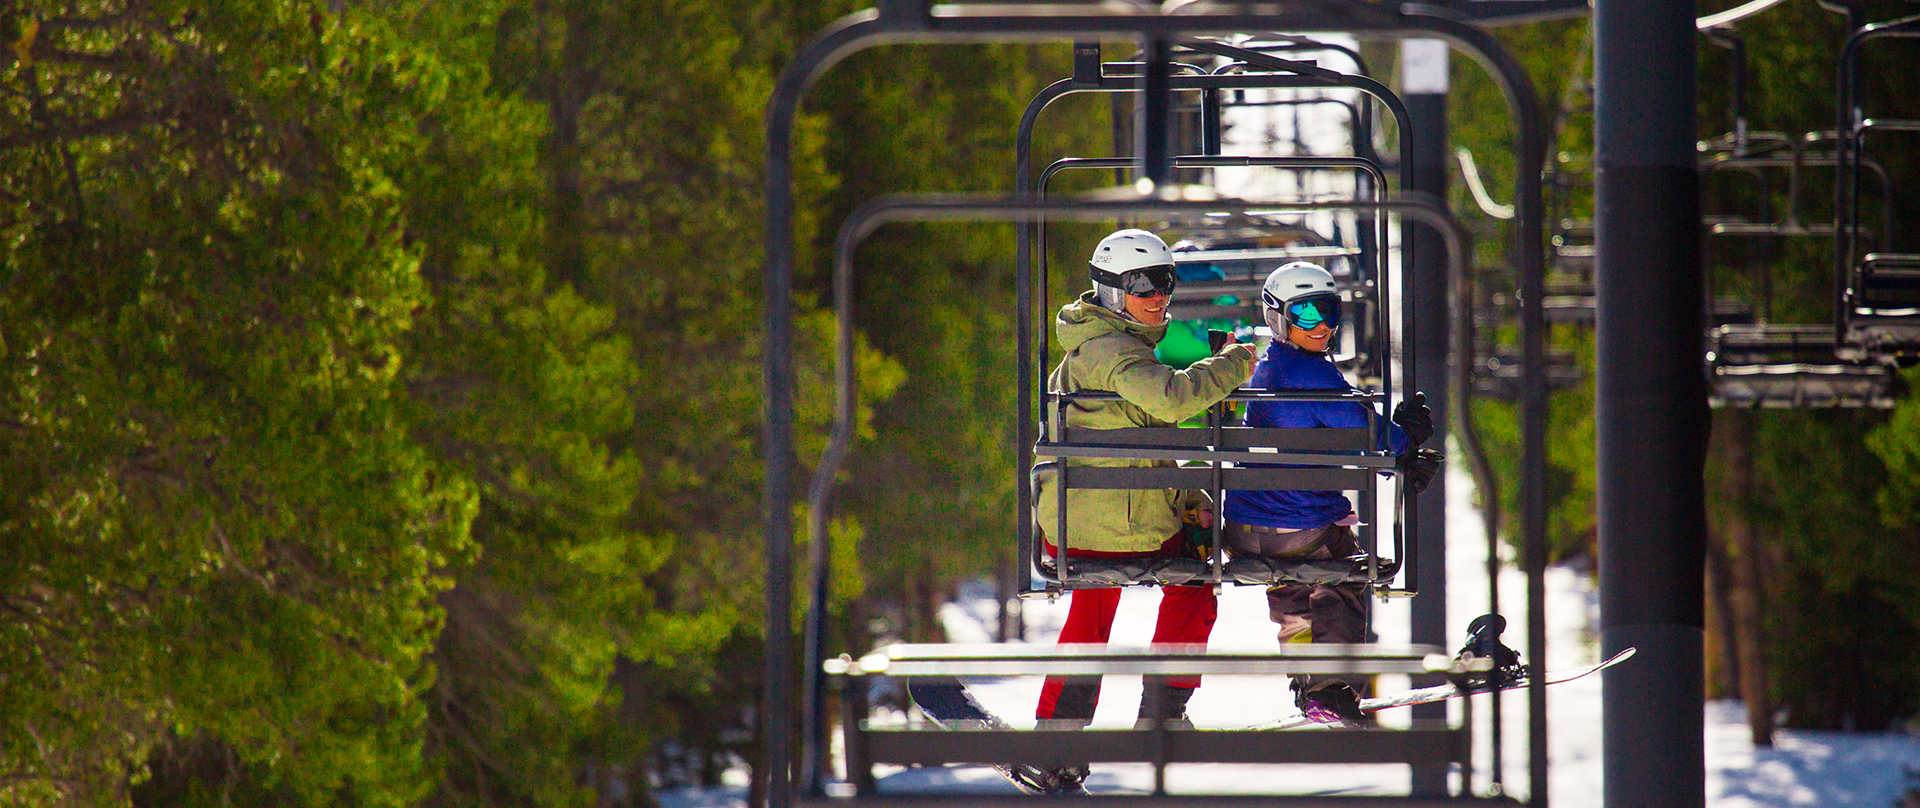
1414 416
1417 468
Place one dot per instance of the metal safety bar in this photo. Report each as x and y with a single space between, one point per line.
1161 659
990 741
1219 458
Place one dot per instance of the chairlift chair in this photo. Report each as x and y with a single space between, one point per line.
1878 288
1215 458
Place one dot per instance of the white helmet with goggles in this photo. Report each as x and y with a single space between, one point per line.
1301 295
1130 262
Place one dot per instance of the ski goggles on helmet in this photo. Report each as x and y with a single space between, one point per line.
1142 282
1308 313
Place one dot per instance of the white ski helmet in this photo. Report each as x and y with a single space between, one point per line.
1297 281
1130 251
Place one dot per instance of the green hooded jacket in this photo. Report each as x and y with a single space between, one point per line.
1110 352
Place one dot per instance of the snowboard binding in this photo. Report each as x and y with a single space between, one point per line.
1483 642
1061 780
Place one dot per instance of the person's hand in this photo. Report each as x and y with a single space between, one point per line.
1414 416
1417 468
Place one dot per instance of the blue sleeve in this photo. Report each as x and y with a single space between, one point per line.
1279 370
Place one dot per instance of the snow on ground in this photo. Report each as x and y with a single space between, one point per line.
1804 768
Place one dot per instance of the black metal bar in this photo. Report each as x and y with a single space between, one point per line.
1368 167
1255 58
1086 63
1210 455
1210 121
1651 401
1061 747
854 711
1239 479
1153 112
1425 332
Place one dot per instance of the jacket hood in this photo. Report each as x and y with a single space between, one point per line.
1085 319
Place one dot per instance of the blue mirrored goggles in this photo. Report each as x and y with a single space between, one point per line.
1308 313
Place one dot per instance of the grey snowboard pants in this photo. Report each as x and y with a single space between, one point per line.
1333 613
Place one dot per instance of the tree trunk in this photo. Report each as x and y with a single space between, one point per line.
1747 601
567 92
1723 665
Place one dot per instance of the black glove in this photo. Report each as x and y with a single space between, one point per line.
1417 468
1414 416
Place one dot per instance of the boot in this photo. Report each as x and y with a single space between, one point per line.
1175 699
1330 701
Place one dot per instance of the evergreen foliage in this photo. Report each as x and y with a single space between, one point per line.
380 389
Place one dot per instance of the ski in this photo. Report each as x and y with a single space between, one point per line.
1428 695
947 703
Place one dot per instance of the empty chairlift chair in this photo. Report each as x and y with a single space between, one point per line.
1879 289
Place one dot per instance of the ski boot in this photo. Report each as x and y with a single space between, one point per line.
1174 701
1330 701
1483 642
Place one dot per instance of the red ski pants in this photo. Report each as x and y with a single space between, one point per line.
1186 616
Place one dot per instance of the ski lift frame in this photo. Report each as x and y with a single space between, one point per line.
902 21
1094 76
1767 364
1855 335
1356 452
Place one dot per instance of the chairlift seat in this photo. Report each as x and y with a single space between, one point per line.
1883 305
1248 570
1218 458
1792 366
1258 570
1499 375
1802 386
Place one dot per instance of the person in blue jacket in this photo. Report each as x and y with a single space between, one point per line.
1302 307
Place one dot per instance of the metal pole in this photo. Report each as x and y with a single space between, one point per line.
1423 87
1651 405
1153 121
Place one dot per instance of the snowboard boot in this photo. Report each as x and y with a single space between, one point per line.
1068 779
1330 701
1174 700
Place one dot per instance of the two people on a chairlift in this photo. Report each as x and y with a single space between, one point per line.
1108 335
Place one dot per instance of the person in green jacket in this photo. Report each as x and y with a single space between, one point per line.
1109 335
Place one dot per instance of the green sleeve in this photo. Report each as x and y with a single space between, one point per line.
1175 395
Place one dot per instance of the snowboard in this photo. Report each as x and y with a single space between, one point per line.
1428 695
947 702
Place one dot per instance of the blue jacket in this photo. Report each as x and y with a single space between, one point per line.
1285 367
